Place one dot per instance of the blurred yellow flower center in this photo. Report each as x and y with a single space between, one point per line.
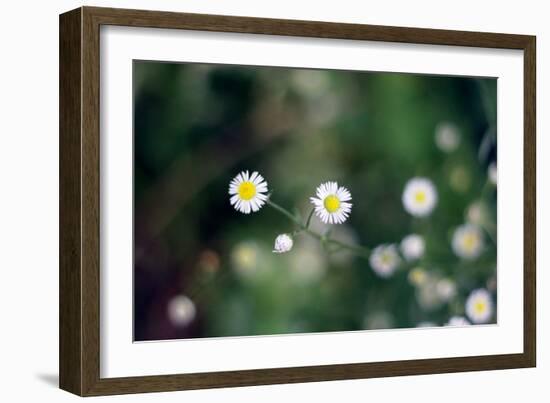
332 203
479 307
420 197
247 190
470 241
386 258
417 276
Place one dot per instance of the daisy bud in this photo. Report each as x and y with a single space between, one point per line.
283 243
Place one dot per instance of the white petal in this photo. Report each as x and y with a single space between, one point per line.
253 177
258 180
261 188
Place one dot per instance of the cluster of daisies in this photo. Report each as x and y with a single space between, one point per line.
249 192
479 310
433 290
419 199
332 205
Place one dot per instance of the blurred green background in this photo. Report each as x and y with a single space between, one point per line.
202 269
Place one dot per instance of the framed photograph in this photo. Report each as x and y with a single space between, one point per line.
249 201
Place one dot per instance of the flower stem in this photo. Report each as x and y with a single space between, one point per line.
285 212
308 221
359 250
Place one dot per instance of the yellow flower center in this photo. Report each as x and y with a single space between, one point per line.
332 203
420 196
417 276
469 242
386 258
246 257
479 307
247 190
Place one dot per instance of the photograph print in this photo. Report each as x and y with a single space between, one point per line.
277 200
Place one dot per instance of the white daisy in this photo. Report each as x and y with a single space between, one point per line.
467 241
283 243
447 137
458 321
248 192
419 197
384 259
412 247
492 173
479 306
332 203
181 310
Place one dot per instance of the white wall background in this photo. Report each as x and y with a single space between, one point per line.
29 199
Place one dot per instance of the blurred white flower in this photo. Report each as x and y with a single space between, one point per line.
332 203
248 192
384 259
492 173
419 197
283 243
181 310
417 276
426 324
412 247
447 137
458 321
446 289
479 306
476 213
467 241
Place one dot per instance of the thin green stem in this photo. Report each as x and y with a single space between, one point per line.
285 212
360 250
308 221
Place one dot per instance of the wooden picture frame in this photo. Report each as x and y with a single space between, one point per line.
80 199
